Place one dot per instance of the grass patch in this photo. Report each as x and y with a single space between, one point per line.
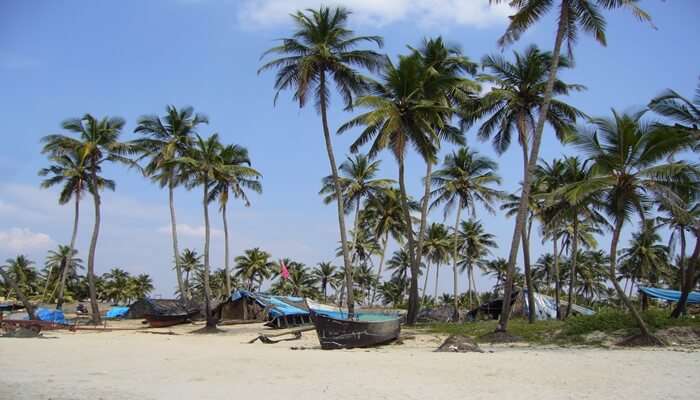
540 332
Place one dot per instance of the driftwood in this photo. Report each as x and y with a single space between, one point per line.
238 322
296 332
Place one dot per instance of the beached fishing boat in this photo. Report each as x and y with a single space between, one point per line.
161 313
336 331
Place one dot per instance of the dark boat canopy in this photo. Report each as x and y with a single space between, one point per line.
161 307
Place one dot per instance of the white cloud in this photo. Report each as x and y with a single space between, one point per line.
23 239
191 231
426 13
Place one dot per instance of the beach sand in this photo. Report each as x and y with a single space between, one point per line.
138 365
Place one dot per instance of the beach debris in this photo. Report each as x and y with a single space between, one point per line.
500 337
442 313
459 344
296 335
23 332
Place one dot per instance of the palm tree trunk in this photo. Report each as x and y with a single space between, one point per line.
425 282
689 281
526 231
74 236
414 306
574 258
173 232
381 264
532 163
46 285
681 260
613 277
211 322
412 312
472 286
437 280
455 286
226 250
93 245
557 289
338 194
7 277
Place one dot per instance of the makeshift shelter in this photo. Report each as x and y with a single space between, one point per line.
443 313
143 307
277 311
545 307
669 295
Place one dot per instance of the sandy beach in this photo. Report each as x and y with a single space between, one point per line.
134 364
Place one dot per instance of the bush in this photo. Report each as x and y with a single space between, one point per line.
610 320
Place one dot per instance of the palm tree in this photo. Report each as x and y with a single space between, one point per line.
70 170
142 285
392 292
202 164
234 176
630 171
475 244
465 180
573 15
684 112
98 143
254 266
321 48
357 181
12 281
189 262
437 250
400 264
64 261
592 275
407 108
497 268
324 273
167 139
116 285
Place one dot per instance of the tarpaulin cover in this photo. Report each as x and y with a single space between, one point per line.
117 312
670 295
546 307
55 316
275 306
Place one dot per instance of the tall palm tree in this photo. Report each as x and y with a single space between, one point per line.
358 182
321 49
97 144
69 170
202 164
465 180
168 138
573 15
234 176
474 244
254 266
324 273
630 171
438 243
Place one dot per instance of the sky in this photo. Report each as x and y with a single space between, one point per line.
61 59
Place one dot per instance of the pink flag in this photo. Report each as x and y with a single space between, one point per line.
283 270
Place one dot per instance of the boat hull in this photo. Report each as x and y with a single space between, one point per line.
336 333
161 321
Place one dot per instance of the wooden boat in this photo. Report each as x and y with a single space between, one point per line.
161 313
161 321
336 331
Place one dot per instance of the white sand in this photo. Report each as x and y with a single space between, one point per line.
134 365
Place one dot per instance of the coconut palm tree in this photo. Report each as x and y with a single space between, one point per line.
69 170
474 244
392 292
190 262
438 243
202 164
592 276
11 282
63 260
322 49
166 139
98 143
465 180
406 108
234 176
684 112
254 266
573 15
498 269
141 286
324 273
358 182
116 285
399 264
630 171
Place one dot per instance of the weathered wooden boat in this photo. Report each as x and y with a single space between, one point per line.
162 321
336 331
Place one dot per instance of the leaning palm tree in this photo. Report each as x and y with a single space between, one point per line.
401 114
465 180
98 143
202 164
573 16
69 170
630 170
168 138
475 244
358 182
321 50
234 176
510 108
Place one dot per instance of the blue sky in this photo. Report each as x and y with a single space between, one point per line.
129 58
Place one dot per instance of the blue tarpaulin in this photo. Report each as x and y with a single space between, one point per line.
117 312
55 316
669 295
280 311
